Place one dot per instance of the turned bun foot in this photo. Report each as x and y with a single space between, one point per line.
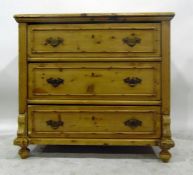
24 153
165 156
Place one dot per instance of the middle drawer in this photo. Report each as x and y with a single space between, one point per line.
129 81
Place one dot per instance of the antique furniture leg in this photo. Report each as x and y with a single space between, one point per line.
166 142
24 151
22 139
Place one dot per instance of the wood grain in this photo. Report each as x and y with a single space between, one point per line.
106 142
95 81
22 67
94 17
166 67
94 40
94 121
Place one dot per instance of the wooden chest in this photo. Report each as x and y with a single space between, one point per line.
94 79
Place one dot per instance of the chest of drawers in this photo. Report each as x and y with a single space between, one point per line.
94 79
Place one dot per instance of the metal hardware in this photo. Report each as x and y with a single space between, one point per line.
54 42
131 40
55 124
132 81
55 82
133 123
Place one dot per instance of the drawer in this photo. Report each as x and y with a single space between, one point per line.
93 40
128 81
94 121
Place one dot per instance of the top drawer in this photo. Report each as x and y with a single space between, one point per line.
94 40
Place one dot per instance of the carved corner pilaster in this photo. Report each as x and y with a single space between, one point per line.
166 140
22 131
22 123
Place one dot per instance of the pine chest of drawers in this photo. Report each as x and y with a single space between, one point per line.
94 79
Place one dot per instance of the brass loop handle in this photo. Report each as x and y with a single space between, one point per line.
133 123
131 40
55 124
54 42
55 82
132 81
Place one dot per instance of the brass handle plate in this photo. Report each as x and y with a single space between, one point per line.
54 42
55 124
133 123
55 82
132 81
131 40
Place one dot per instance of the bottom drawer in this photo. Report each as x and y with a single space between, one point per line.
94 121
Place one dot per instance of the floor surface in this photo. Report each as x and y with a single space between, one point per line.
75 160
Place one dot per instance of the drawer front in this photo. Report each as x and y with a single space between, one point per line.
89 81
94 40
94 121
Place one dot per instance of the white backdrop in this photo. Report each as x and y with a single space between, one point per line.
181 50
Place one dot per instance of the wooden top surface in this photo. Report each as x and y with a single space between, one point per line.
93 17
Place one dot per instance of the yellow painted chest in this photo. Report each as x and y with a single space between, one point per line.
94 79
